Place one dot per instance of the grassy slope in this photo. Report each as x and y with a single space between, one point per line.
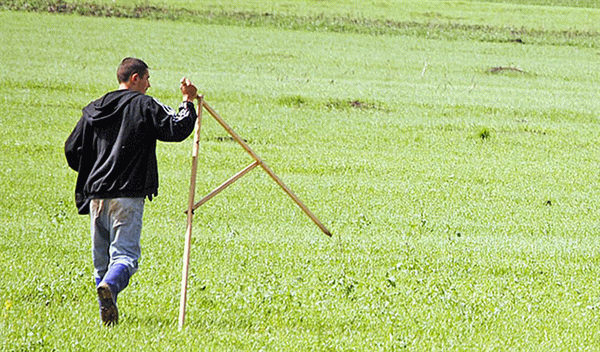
443 239
579 15
512 13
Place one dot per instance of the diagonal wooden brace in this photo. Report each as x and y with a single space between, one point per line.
260 162
225 185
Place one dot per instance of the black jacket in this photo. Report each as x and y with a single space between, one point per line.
113 146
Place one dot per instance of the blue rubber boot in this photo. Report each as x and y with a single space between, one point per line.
115 280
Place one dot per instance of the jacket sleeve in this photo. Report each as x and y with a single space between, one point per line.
74 145
170 125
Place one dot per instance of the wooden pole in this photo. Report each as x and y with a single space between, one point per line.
190 215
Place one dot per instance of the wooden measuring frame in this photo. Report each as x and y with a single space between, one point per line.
202 105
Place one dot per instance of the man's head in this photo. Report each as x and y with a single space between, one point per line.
133 75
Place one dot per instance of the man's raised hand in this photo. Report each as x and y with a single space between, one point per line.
189 91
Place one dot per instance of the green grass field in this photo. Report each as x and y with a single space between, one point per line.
452 147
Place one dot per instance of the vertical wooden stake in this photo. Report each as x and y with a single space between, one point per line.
190 215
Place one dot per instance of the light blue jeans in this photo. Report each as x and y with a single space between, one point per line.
116 226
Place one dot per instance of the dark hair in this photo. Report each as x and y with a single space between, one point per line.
129 66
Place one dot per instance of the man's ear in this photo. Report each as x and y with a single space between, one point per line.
134 78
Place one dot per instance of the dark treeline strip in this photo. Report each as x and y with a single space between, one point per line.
340 24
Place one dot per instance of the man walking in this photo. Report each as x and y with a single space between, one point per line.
113 149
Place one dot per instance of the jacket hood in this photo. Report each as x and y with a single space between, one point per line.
108 107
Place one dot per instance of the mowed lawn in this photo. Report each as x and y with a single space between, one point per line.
456 166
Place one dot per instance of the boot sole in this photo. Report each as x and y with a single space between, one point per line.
108 308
